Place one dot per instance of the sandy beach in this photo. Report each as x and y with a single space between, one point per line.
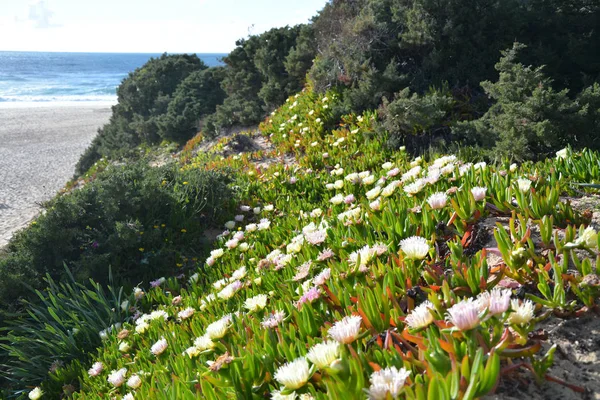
39 148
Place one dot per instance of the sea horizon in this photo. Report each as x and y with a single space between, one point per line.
41 79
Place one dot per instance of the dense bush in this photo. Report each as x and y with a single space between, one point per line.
376 47
196 96
262 71
141 221
529 119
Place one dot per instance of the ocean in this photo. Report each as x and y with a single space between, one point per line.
40 78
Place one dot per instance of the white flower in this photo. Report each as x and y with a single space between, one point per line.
124 347
117 378
521 313
495 301
346 330
134 382
373 193
387 165
438 200
375 205
387 381
36 393
204 343
251 227
256 303
562 153
96 369
337 199
159 347
524 184
185 314
277 395
219 328
293 375
415 187
513 167
323 354
232 244
138 293
273 320
142 327
421 316
415 247
128 396
268 207
479 193
125 305
464 315
230 224
353 178
217 253
480 165
368 180
589 238
411 174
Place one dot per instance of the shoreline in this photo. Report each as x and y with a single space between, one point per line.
13 105
39 147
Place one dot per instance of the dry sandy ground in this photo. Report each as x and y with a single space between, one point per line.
39 148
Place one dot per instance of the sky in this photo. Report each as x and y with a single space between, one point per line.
143 26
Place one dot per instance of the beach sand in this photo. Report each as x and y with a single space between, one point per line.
39 148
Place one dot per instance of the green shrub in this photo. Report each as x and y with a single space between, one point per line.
142 221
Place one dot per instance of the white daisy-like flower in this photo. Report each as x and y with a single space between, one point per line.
479 193
273 320
347 330
415 247
293 375
185 314
562 153
464 315
438 200
256 303
337 199
36 393
230 225
421 316
373 193
219 328
387 165
589 238
522 312
388 381
322 277
524 184
415 187
277 395
159 347
239 273
128 396
134 382
96 369
217 253
124 347
411 174
495 301
117 378
323 354
204 343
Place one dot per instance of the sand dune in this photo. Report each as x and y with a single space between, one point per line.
39 148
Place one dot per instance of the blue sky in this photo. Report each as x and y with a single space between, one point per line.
145 26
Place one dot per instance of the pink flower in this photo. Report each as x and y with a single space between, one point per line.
393 172
325 255
349 199
322 277
273 320
303 271
316 237
96 369
464 315
311 295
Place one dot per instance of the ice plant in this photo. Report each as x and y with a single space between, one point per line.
421 316
293 375
524 184
159 347
219 328
117 378
96 369
323 354
185 314
134 382
495 301
387 382
273 320
256 303
522 312
347 330
478 193
464 315
36 393
415 247
437 200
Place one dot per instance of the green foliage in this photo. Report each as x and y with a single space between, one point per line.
60 327
529 119
429 42
196 96
140 220
417 121
262 71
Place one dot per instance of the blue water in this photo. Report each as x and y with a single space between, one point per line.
67 77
